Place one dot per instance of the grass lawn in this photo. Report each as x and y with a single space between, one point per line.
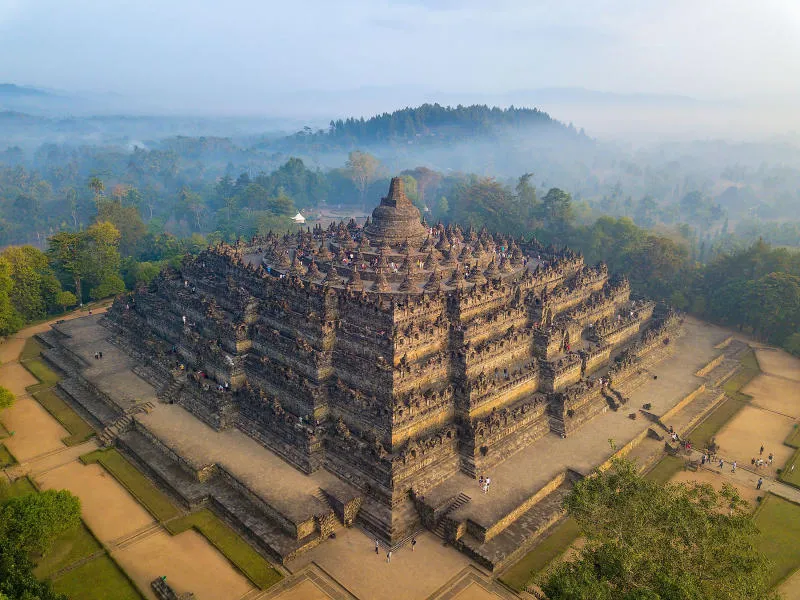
789 476
31 349
6 458
749 369
79 429
793 439
69 548
664 469
553 546
20 487
779 523
701 435
99 579
41 371
141 488
254 566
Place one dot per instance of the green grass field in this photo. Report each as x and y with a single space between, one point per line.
46 376
787 475
141 488
701 435
6 458
534 562
98 579
779 523
32 349
665 469
254 566
68 549
793 439
79 430
20 487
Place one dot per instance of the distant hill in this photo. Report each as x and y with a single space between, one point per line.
11 90
430 124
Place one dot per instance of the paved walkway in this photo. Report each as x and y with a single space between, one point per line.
747 476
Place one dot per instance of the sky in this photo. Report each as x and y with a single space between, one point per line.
242 55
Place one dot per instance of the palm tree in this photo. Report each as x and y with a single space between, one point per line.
97 186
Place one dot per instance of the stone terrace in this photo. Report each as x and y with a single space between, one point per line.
112 375
521 476
283 487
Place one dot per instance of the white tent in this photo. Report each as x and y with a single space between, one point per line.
298 218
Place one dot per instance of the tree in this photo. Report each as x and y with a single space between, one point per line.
427 179
97 187
362 168
32 522
10 320
648 541
128 222
65 299
557 210
91 255
6 398
35 285
67 252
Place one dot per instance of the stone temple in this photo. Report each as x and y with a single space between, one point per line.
370 375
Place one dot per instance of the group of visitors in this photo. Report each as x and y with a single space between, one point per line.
98 355
484 483
389 552
759 462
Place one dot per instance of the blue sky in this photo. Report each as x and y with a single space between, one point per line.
234 54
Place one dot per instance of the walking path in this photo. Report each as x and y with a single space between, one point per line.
748 477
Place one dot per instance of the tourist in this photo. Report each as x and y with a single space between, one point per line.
389 556
733 470
480 481
703 460
721 464
413 543
377 546
760 482
770 454
761 451
753 461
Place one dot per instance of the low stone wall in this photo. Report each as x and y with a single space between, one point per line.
199 473
683 402
298 530
713 363
484 534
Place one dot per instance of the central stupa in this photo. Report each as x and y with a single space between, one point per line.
396 220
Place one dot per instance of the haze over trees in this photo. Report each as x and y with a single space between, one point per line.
690 224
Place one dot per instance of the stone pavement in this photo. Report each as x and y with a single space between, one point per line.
520 476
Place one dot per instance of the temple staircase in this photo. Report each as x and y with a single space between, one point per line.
320 495
110 432
460 501
169 393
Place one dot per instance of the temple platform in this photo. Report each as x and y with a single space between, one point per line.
544 471
285 512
